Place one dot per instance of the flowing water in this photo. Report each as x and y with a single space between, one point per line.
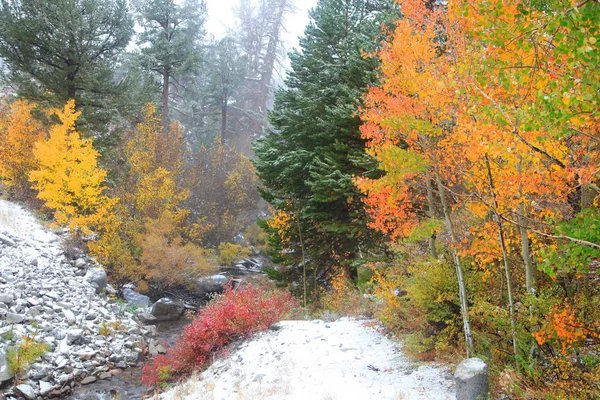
128 385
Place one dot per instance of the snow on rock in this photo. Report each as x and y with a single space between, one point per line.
346 359
43 294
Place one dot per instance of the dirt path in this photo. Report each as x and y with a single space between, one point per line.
316 360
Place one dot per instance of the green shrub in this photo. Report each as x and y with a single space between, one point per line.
26 352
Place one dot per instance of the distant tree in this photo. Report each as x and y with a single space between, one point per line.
65 49
223 196
170 42
308 160
261 25
226 69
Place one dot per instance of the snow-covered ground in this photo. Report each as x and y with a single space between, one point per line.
346 359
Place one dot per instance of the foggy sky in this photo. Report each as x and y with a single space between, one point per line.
220 17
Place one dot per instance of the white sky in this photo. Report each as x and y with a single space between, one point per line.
220 17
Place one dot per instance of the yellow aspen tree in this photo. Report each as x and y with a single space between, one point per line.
68 178
18 133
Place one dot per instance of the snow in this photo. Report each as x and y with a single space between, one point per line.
345 359
20 223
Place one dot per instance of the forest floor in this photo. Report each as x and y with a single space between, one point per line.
345 359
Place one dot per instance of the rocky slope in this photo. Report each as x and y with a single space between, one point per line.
53 298
345 359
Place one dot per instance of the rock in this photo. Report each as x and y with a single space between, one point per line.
13 318
105 375
6 240
90 316
52 295
132 356
146 318
27 391
167 309
80 263
88 379
209 285
249 265
151 329
133 297
6 299
97 276
45 387
74 336
5 373
471 378
39 371
32 301
69 315
61 362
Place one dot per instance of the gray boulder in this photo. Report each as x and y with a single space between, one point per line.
471 378
167 309
135 298
27 391
209 285
98 277
146 318
5 373
80 263
13 318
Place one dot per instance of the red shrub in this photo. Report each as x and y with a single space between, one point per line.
234 315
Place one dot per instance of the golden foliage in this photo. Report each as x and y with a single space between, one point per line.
19 131
230 253
166 257
68 178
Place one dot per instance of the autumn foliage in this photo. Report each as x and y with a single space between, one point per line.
492 108
19 131
68 178
236 314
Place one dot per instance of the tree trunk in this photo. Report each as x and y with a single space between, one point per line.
270 56
432 250
525 249
165 102
459 274
223 120
509 287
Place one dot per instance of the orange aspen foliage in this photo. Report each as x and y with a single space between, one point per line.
68 178
18 133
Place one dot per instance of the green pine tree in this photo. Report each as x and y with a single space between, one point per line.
308 161
66 49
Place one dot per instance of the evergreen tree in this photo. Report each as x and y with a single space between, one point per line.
65 49
308 161
170 43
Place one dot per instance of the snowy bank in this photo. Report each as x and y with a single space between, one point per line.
345 359
52 297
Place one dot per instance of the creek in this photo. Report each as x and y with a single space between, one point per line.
128 385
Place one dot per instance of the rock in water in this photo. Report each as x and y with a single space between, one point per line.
98 277
471 378
167 309
210 285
